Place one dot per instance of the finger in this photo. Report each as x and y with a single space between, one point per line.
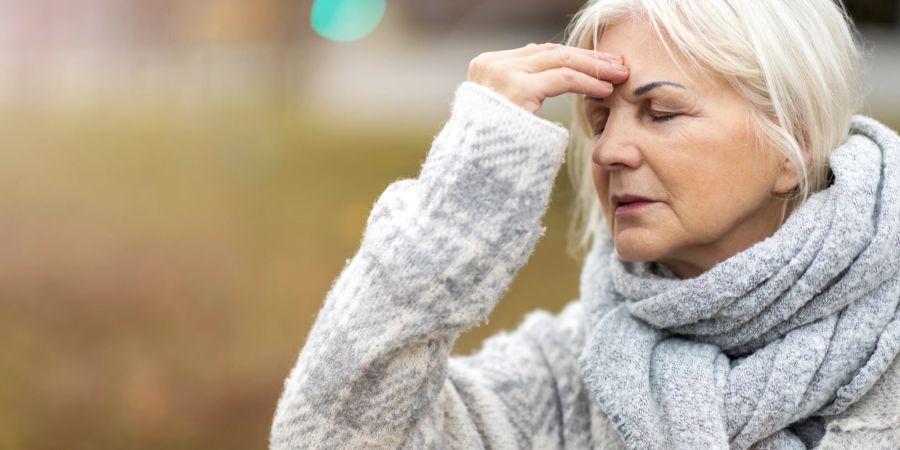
533 48
563 80
564 57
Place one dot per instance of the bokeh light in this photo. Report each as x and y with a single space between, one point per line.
346 20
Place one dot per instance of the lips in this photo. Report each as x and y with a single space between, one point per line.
626 199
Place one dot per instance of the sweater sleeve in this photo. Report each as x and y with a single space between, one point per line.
437 254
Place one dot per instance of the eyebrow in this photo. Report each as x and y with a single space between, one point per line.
641 90
650 86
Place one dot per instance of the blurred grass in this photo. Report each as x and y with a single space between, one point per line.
161 267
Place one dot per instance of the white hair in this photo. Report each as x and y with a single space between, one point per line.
797 63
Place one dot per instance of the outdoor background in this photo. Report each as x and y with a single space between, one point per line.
182 180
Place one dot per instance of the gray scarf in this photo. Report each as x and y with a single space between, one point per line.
749 353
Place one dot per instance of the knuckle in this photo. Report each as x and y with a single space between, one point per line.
472 70
565 58
478 63
505 78
473 63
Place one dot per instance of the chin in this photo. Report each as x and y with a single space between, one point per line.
632 254
633 247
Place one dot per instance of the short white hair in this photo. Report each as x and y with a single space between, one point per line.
798 63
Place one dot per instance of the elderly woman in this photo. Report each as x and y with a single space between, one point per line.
742 282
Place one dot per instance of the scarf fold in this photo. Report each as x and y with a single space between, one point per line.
798 326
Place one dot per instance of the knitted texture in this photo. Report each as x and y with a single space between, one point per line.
799 325
437 253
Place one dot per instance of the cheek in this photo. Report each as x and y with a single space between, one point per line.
601 181
601 186
722 187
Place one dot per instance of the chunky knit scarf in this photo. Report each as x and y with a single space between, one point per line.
748 354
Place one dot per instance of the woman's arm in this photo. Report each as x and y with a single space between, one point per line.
520 390
437 254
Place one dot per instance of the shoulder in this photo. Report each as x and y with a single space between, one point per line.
873 421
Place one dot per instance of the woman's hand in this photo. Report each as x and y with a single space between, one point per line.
530 74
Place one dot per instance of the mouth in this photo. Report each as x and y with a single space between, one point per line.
625 199
629 203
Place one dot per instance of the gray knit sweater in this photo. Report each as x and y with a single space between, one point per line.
437 254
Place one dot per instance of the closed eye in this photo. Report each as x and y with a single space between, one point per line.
598 123
597 118
663 117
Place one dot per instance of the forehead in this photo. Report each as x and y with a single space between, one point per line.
644 53
648 60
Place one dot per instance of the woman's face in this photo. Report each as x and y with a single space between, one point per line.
684 142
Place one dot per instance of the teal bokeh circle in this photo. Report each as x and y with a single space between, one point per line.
346 20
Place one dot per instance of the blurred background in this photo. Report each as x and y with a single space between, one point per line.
181 181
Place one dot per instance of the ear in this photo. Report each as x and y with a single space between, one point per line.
786 177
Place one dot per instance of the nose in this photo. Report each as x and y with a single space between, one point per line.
617 147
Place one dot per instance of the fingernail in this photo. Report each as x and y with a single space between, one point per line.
620 68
